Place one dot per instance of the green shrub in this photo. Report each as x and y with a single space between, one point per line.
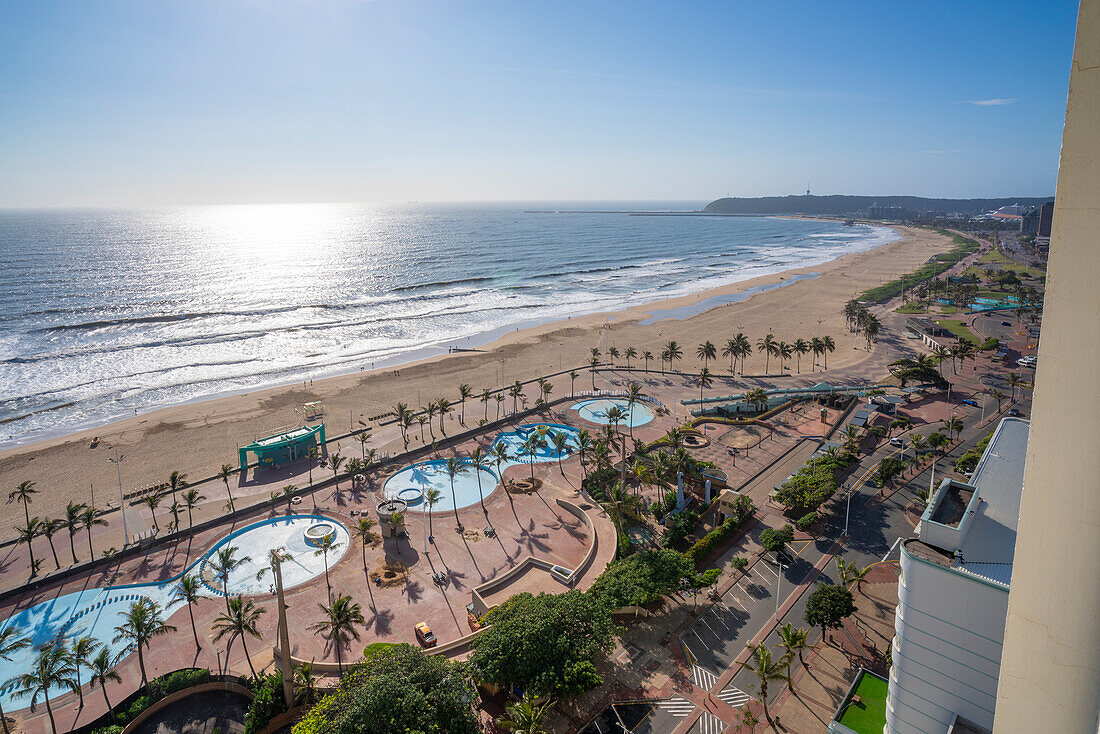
677 528
963 246
138 705
707 578
703 547
268 702
622 544
739 562
112 729
378 648
183 679
990 344
968 461
813 483
773 540
807 521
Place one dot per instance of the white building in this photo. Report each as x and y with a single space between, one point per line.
953 596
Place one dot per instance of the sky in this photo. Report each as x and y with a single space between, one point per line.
149 103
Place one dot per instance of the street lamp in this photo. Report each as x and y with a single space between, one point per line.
778 585
117 461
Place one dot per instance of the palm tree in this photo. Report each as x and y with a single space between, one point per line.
342 616
27 534
486 396
191 500
465 392
572 382
443 406
24 493
1014 381
305 685
225 561
648 357
102 668
859 575
404 419
453 466
225 472
326 546
431 497
630 353
189 589
783 350
531 449
758 398
363 438
11 642
675 352
793 640
941 353
744 348
143 622
153 502
706 352
817 346
48 529
998 396
72 523
800 347
917 441
176 481
731 351
584 448
516 392
851 438
827 347
871 329
82 650
613 352
526 715
953 425
335 461
595 352
593 363
633 395
767 346
53 668
89 518
288 491
175 508
499 398
480 462
560 441
240 621
705 380
767 670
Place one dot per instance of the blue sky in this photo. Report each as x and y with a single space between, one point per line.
240 101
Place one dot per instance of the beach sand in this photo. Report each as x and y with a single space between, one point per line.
197 438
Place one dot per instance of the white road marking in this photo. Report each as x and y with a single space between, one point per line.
709 724
733 697
702 677
677 706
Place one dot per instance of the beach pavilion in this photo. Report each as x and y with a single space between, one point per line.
283 447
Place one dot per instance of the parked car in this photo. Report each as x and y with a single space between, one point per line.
969 402
1006 323
895 441
425 635
1013 412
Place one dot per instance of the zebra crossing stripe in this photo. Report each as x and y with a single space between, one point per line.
733 697
702 677
709 724
677 706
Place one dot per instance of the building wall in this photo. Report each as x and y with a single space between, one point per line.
947 648
1050 673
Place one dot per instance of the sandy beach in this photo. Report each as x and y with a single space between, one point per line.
197 438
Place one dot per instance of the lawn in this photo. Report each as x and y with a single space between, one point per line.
912 307
959 329
869 715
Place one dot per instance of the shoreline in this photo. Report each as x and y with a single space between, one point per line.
197 437
480 341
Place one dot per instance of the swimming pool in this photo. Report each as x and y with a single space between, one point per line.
595 411
412 482
97 611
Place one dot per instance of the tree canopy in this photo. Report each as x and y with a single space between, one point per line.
400 690
774 540
642 578
545 644
828 605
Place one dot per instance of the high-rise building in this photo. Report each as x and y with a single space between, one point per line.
1050 667
953 596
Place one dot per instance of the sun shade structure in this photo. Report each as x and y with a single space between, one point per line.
283 447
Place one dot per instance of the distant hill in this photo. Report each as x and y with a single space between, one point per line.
838 205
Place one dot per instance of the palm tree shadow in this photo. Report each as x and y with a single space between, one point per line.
382 622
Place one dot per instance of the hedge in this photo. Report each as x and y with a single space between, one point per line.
702 547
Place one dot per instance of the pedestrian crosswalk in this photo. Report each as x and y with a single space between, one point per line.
708 723
733 697
677 706
702 677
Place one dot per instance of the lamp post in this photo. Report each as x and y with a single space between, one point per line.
117 461
778 585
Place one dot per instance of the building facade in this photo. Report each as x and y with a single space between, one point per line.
953 596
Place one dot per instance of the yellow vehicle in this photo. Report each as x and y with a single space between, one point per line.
424 634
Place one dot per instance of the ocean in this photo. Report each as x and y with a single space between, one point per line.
107 313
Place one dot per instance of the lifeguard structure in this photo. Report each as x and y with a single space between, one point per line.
283 447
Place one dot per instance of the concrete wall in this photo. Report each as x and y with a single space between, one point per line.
947 648
1050 673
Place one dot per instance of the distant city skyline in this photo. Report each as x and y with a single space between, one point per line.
207 102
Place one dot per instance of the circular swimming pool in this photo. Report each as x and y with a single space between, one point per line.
413 483
595 411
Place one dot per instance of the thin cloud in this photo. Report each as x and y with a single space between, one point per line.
997 102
